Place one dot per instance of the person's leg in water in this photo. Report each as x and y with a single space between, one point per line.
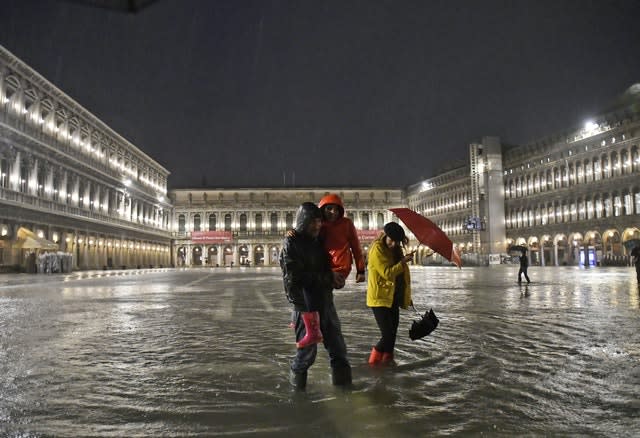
384 319
520 275
311 320
304 358
387 355
524 271
335 344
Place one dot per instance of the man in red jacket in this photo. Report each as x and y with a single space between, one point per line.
340 238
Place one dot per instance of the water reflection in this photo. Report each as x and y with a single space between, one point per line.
202 353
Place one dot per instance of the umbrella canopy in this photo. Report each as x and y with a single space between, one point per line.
427 324
631 244
428 234
517 248
29 240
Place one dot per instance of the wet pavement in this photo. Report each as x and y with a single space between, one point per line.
205 352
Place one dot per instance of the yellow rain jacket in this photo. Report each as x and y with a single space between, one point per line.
383 271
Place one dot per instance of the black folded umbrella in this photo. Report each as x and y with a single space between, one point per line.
517 248
427 324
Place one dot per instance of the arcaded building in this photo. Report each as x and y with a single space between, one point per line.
73 181
571 198
575 196
246 226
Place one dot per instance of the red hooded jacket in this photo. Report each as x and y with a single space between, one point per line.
341 239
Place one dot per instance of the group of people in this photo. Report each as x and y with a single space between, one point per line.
315 259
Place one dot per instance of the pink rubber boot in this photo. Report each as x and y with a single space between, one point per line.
312 327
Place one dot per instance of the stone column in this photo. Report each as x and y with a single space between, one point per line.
75 195
14 172
49 189
32 183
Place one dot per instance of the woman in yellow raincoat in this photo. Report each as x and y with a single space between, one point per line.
388 288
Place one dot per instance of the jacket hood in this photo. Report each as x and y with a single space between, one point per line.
305 214
332 198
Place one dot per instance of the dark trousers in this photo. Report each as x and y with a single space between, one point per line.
523 270
313 302
387 319
332 339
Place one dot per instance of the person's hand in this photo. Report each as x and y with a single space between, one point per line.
359 278
338 281
407 258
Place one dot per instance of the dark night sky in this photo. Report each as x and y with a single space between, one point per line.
340 92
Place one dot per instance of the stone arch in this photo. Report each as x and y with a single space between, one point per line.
227 255
212 255
243 253
181 255
612 242
561 248
258 255
631 233
274 252
196 256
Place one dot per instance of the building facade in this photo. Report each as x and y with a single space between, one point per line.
246 226
69 178
572 199
575 198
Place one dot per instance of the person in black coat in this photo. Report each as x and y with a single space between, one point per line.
524 265
306 271
636 261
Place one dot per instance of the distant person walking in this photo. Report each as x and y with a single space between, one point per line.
524 265
636 261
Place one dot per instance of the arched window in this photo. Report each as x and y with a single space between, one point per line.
608 207
181 223
212 222
196 223
274 222
628 204
598 209
243 222
259 222
617 205
227 222
365 221
289 221
380 222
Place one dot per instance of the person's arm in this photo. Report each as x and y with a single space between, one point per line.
383 263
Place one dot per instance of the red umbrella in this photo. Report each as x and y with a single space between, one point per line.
428 234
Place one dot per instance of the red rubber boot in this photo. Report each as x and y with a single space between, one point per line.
387 359
375 358
312 327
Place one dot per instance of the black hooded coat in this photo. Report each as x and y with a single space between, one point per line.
304 262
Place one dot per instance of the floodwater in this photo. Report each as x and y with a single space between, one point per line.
205 353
